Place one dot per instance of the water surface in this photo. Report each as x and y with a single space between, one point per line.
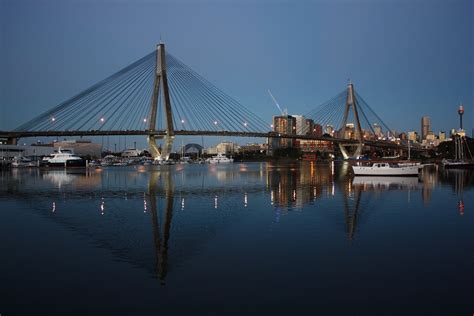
250 238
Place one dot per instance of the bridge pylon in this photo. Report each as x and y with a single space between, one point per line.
161 82
351 103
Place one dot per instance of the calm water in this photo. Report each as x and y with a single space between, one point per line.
250 238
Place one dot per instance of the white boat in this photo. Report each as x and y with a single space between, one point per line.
63 158
388 169
21 162
220 158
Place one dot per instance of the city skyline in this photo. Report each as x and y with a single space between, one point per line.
95 52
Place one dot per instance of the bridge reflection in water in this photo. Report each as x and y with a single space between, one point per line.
188 205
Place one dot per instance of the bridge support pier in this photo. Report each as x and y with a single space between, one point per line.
161 78
351 103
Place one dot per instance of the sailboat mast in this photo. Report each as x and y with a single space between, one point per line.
409 150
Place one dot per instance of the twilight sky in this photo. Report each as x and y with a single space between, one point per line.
406 58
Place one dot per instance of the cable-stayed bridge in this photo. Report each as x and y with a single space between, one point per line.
160 97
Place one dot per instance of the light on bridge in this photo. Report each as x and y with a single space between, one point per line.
144 120
53 119
102 120
182 121
215 122
245 124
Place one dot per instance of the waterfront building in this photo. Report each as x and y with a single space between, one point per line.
253 148
7 152
425 126
285 124
225 147
313 146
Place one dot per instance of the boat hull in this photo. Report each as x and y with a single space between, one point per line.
411 171
69 163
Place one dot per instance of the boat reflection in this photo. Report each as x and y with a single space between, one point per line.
386 183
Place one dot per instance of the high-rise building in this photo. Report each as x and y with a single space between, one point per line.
425 126
285 124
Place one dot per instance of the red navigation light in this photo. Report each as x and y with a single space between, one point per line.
461 109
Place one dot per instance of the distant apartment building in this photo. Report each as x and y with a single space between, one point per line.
413 136
285 124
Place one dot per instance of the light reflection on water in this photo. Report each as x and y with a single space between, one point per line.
166 220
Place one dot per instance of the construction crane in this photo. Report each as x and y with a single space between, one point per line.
283 113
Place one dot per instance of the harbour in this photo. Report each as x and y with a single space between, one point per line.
169 237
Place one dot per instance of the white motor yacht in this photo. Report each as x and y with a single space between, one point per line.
63 158
220 158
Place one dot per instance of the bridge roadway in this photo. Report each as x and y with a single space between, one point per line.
23 134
